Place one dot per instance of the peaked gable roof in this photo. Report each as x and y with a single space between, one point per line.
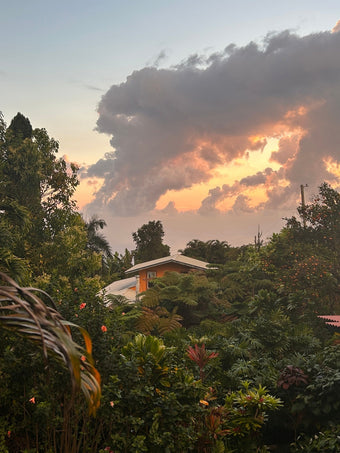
179 259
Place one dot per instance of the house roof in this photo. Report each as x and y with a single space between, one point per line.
332 320
179 259
125 287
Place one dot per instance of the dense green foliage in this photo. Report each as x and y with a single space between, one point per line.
213 251
149 242
232 360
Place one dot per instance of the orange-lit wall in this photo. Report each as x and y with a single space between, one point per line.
160 271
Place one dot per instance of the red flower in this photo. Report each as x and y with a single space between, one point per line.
83 305
32 400
104 328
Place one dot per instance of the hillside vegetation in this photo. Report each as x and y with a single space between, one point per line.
232 360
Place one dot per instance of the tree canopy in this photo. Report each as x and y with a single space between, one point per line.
149 242
213 251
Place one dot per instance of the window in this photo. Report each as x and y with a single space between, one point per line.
150 275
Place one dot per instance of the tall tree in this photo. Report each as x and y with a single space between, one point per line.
149 242
32 174
95 240
35 179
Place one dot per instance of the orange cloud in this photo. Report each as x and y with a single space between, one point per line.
333 167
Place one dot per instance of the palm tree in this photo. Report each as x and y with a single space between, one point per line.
97 241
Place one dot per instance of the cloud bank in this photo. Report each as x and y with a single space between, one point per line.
173 128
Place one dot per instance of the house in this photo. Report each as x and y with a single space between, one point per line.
144 273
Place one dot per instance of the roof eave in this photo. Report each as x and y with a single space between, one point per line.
191 266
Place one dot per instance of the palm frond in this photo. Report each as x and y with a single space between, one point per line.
158 319
170 322
12 265
23 312
147 321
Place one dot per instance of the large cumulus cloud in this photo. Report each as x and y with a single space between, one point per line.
171 128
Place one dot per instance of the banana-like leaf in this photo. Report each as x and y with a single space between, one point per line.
22 311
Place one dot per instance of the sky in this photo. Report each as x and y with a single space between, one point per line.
207 116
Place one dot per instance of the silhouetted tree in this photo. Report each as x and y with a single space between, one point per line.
213 251
149 242
21 127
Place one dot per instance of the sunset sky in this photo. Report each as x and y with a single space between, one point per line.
207 116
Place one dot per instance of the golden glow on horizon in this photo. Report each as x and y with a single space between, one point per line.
190 199
253 162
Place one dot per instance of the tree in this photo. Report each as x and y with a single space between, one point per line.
35 180
149 242
13 225
306 253
213 251
97 242
118 264
21 127
32 174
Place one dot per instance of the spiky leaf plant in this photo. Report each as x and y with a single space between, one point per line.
22 311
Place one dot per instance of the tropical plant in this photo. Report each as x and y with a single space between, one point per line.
213 251
201 357
158 320
327 441
191 295
152 401
97 241
23 312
